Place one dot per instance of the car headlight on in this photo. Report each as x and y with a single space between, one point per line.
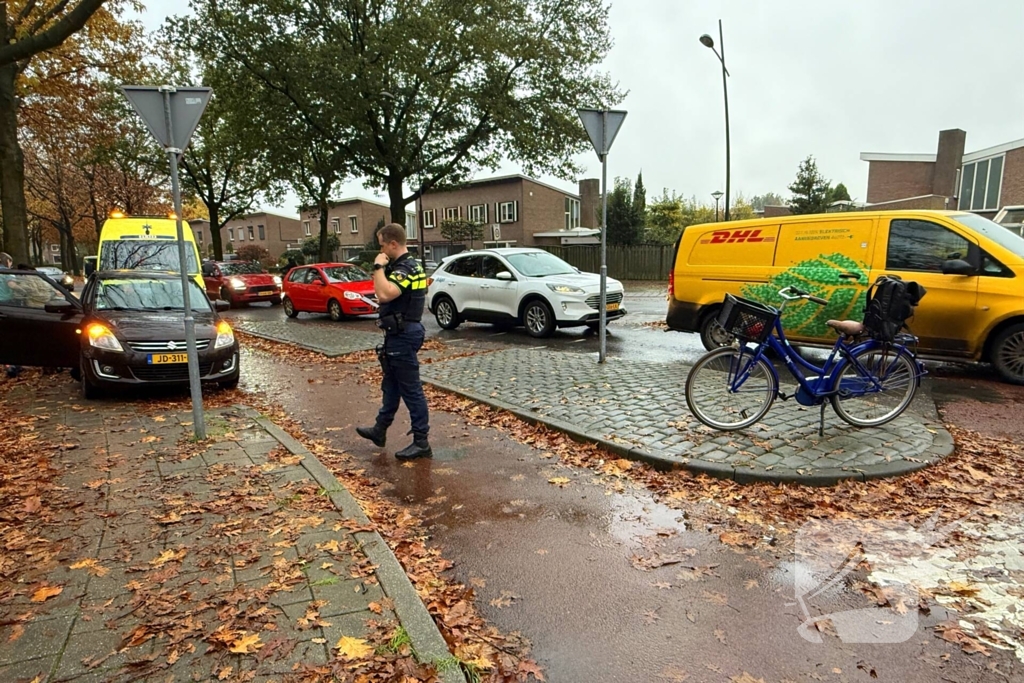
277 280
237 284
565 289
225 336
100 337
352 296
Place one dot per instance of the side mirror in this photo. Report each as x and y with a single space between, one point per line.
957 267
90 268
220 305
504 275
62 307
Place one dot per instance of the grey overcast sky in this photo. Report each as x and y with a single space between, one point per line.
807 77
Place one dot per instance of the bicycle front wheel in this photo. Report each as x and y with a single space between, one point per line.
875 387
727 391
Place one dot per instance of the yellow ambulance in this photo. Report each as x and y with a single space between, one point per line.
972 268
146 243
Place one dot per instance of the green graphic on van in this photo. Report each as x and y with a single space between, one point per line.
820 277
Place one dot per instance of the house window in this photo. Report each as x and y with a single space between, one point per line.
478 213
263 232
336 225
428 219
572 213
199 236
55 247
980 183
231 234
410 226
508 212
353 224
453 213
305 227
252 234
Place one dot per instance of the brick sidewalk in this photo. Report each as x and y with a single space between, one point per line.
639 410
187 563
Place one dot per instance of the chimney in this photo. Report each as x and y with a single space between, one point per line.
590 203
948 159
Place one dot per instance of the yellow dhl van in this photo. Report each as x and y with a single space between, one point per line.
971 267
146 243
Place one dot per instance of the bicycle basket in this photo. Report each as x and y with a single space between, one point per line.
748 320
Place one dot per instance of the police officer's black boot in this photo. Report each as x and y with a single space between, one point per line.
419 448
376 434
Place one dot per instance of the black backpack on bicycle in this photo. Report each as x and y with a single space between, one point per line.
890 304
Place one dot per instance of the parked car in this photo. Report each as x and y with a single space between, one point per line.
128 329
523 286
339 289
241 282
57 275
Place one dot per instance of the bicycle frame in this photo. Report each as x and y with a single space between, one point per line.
823 383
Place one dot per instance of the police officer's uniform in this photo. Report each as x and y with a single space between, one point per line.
400 319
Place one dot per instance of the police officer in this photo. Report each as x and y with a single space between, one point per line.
401 288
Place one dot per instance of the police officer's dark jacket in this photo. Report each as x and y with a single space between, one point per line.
408 275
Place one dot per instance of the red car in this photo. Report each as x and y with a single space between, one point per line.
239 282
340 289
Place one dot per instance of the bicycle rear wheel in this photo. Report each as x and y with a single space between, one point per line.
880 391
710 396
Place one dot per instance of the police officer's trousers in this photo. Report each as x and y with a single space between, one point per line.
402 378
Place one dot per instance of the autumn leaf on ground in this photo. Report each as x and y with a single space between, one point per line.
246 644
651 616
353 648
504 600
559 481
716 598
46 592
16 632
737 539
529 667
674 674
168 556
33 504
92 565
224 673
745 678
375 607
750 583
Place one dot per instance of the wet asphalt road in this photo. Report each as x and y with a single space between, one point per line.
555 563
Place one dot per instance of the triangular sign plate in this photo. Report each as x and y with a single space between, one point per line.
602 136
187 107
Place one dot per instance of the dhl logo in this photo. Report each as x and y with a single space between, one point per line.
734 236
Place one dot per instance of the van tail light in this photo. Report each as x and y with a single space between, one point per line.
671 284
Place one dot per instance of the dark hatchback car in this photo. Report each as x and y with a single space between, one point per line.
127 329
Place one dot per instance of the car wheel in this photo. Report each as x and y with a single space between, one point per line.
334 310
446 314
226 296
1008 354
230 382
712 335
275 301
90 391
289 308
539 319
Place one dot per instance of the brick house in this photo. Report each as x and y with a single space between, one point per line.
982 181
355 221
512 210
274 233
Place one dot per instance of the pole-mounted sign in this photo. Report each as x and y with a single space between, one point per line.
602 125
172 115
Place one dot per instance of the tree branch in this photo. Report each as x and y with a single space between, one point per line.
51 37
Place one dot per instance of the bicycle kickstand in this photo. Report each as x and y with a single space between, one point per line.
821 422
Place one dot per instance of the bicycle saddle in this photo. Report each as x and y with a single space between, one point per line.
848 328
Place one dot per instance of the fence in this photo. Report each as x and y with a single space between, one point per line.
641 262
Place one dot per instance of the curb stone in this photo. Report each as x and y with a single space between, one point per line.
427 641
942 446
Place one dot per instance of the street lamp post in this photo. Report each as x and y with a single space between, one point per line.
717 194
708 41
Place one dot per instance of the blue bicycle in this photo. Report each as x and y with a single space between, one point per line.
868 382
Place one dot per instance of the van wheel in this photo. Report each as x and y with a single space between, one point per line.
712 335
1008 354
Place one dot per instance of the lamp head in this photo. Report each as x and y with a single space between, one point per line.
707 41
717 195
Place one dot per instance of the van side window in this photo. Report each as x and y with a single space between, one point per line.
922 246
993 268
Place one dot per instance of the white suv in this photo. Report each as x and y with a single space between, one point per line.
529 287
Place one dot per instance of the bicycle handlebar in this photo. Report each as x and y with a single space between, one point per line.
793 293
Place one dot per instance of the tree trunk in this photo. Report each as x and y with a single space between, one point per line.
396 198
325 256
12 170
72 252
215 236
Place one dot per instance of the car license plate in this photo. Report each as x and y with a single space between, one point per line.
160 358
265 293
613 307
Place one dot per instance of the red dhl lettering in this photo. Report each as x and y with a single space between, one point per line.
735 236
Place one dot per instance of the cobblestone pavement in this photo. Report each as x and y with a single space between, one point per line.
329 339
639 410
175 556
